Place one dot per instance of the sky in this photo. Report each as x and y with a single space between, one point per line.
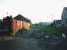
35 10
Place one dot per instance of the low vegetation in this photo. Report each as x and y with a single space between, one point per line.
50 29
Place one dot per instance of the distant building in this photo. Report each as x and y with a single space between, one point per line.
20 22
63 20
57 23
64 16
17 23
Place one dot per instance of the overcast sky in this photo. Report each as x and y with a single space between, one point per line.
36 10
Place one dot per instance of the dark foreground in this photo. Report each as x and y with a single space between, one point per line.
19 44
33 44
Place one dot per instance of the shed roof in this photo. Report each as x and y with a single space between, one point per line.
22 18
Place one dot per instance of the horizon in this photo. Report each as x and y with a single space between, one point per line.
35 10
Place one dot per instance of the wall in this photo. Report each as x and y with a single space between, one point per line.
18 25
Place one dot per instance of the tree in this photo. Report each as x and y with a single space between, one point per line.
1 24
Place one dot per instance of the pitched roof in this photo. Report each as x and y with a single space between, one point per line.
20 17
